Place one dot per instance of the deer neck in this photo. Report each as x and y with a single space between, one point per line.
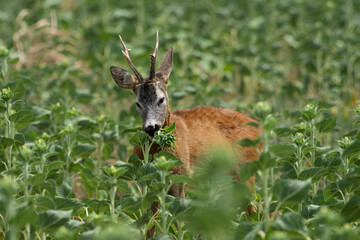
167 119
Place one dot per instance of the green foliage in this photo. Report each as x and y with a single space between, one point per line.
67 132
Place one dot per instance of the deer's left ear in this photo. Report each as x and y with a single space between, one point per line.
123 79
166 65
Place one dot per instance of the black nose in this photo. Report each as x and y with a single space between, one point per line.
152 129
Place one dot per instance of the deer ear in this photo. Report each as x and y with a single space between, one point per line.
123 79
166 65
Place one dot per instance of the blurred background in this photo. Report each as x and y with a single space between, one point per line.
230 54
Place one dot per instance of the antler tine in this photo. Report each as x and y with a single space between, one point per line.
125 52
153 57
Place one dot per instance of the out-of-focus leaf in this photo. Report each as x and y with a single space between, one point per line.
291 189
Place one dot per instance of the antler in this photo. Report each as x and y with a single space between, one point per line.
153 57
125 52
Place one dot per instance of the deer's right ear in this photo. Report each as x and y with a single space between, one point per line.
123 79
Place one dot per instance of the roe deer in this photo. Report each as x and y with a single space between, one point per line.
196 129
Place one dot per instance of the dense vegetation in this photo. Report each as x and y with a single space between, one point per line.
67 131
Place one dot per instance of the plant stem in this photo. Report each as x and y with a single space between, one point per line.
266 199
112 202
163 206
313 132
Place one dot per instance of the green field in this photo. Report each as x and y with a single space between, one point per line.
67 131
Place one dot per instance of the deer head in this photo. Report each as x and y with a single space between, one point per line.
151 96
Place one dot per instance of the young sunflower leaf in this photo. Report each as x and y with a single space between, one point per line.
291 189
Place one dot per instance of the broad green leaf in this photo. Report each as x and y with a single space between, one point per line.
52 219
179 206
37 179
22 116
90 234
351 210
352 149
107 150
6 142
291 189
130 204
292 222
13 61
326 125
144 219
86 123
54 165
310 210
44 203
283 132
19 139
166 160
282 150
123 130
66 203
139 138
82 150
249 169
180 179
247 231
308 115
65 189
330 191
247 142
314 173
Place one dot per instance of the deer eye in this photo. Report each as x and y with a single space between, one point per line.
138 105
161 100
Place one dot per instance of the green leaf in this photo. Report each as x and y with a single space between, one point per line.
310 210
326 125
352 149
247 142
13 61
249 169
123 130
82 150
65 189
107 150
291 189
66 203
144 219
314 173
282 150
23 116
170 129
54 165
19 139
139 138
292 222
6 142
86 123
50 220
180 179
130 204
283 132
308 115
44 203
351 210
166 160
36 179
179 206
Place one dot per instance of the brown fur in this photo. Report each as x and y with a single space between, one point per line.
199 129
